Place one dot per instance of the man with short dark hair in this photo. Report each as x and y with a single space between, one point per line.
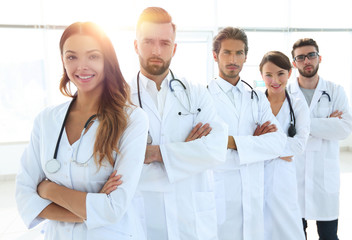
318 169
176 182
239 182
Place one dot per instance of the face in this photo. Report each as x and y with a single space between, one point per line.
230 59
155 46
84 63
307 68
275 78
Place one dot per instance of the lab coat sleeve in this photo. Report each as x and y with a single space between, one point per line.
253 149
105 209
30 174
185 159
334 128
297 144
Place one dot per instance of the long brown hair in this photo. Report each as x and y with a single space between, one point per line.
114 99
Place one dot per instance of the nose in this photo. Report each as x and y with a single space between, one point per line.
306 60
82 64
232 58
156 49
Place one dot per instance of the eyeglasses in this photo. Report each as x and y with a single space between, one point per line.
310 56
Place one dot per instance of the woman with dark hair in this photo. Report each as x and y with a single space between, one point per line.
68 171
281 210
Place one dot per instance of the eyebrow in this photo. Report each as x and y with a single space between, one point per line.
89 51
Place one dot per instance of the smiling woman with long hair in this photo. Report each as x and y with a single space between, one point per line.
68 172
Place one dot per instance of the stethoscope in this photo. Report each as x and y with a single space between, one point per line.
291 132
173 80
325 93
53 165
254 103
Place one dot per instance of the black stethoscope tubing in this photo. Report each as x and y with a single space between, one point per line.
292 128
60 135
325 93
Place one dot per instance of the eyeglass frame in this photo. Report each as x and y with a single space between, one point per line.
310 56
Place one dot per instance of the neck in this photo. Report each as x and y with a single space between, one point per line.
87 103
308 83
276 97
233 81
158 79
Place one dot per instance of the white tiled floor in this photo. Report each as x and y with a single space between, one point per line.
12 227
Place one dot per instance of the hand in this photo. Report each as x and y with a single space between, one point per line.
198 131
265 128
287 159
43 188
337 114
153 154
112 183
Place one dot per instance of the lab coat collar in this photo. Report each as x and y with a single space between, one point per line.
225 86
216 89
145 81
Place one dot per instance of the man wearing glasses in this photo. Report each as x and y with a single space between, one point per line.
318 167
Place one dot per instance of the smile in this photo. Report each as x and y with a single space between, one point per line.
85 77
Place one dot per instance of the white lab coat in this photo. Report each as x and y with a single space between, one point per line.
318 168
239 183
282 214
178 194
108 216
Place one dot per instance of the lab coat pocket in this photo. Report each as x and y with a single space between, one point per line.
322 111
220 200
184 125
206 223
331 175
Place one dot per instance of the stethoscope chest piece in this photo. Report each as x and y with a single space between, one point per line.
53 165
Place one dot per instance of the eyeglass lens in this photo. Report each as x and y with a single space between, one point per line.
310 56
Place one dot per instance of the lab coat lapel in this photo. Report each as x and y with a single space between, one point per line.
170 102
317 93
147 101
245 96
219 94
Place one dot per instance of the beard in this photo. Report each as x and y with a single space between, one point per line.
309 74
230 75
153 69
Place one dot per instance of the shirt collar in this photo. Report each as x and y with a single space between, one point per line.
226 86
146 81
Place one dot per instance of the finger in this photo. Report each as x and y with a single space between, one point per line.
256 131
271 128
207 131
193 132
201 130
267 123
113 174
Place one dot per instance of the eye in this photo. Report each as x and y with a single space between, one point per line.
71 57
239 53
94 56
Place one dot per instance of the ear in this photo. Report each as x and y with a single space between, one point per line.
215 56
174 51
319 59
289 73
136 46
